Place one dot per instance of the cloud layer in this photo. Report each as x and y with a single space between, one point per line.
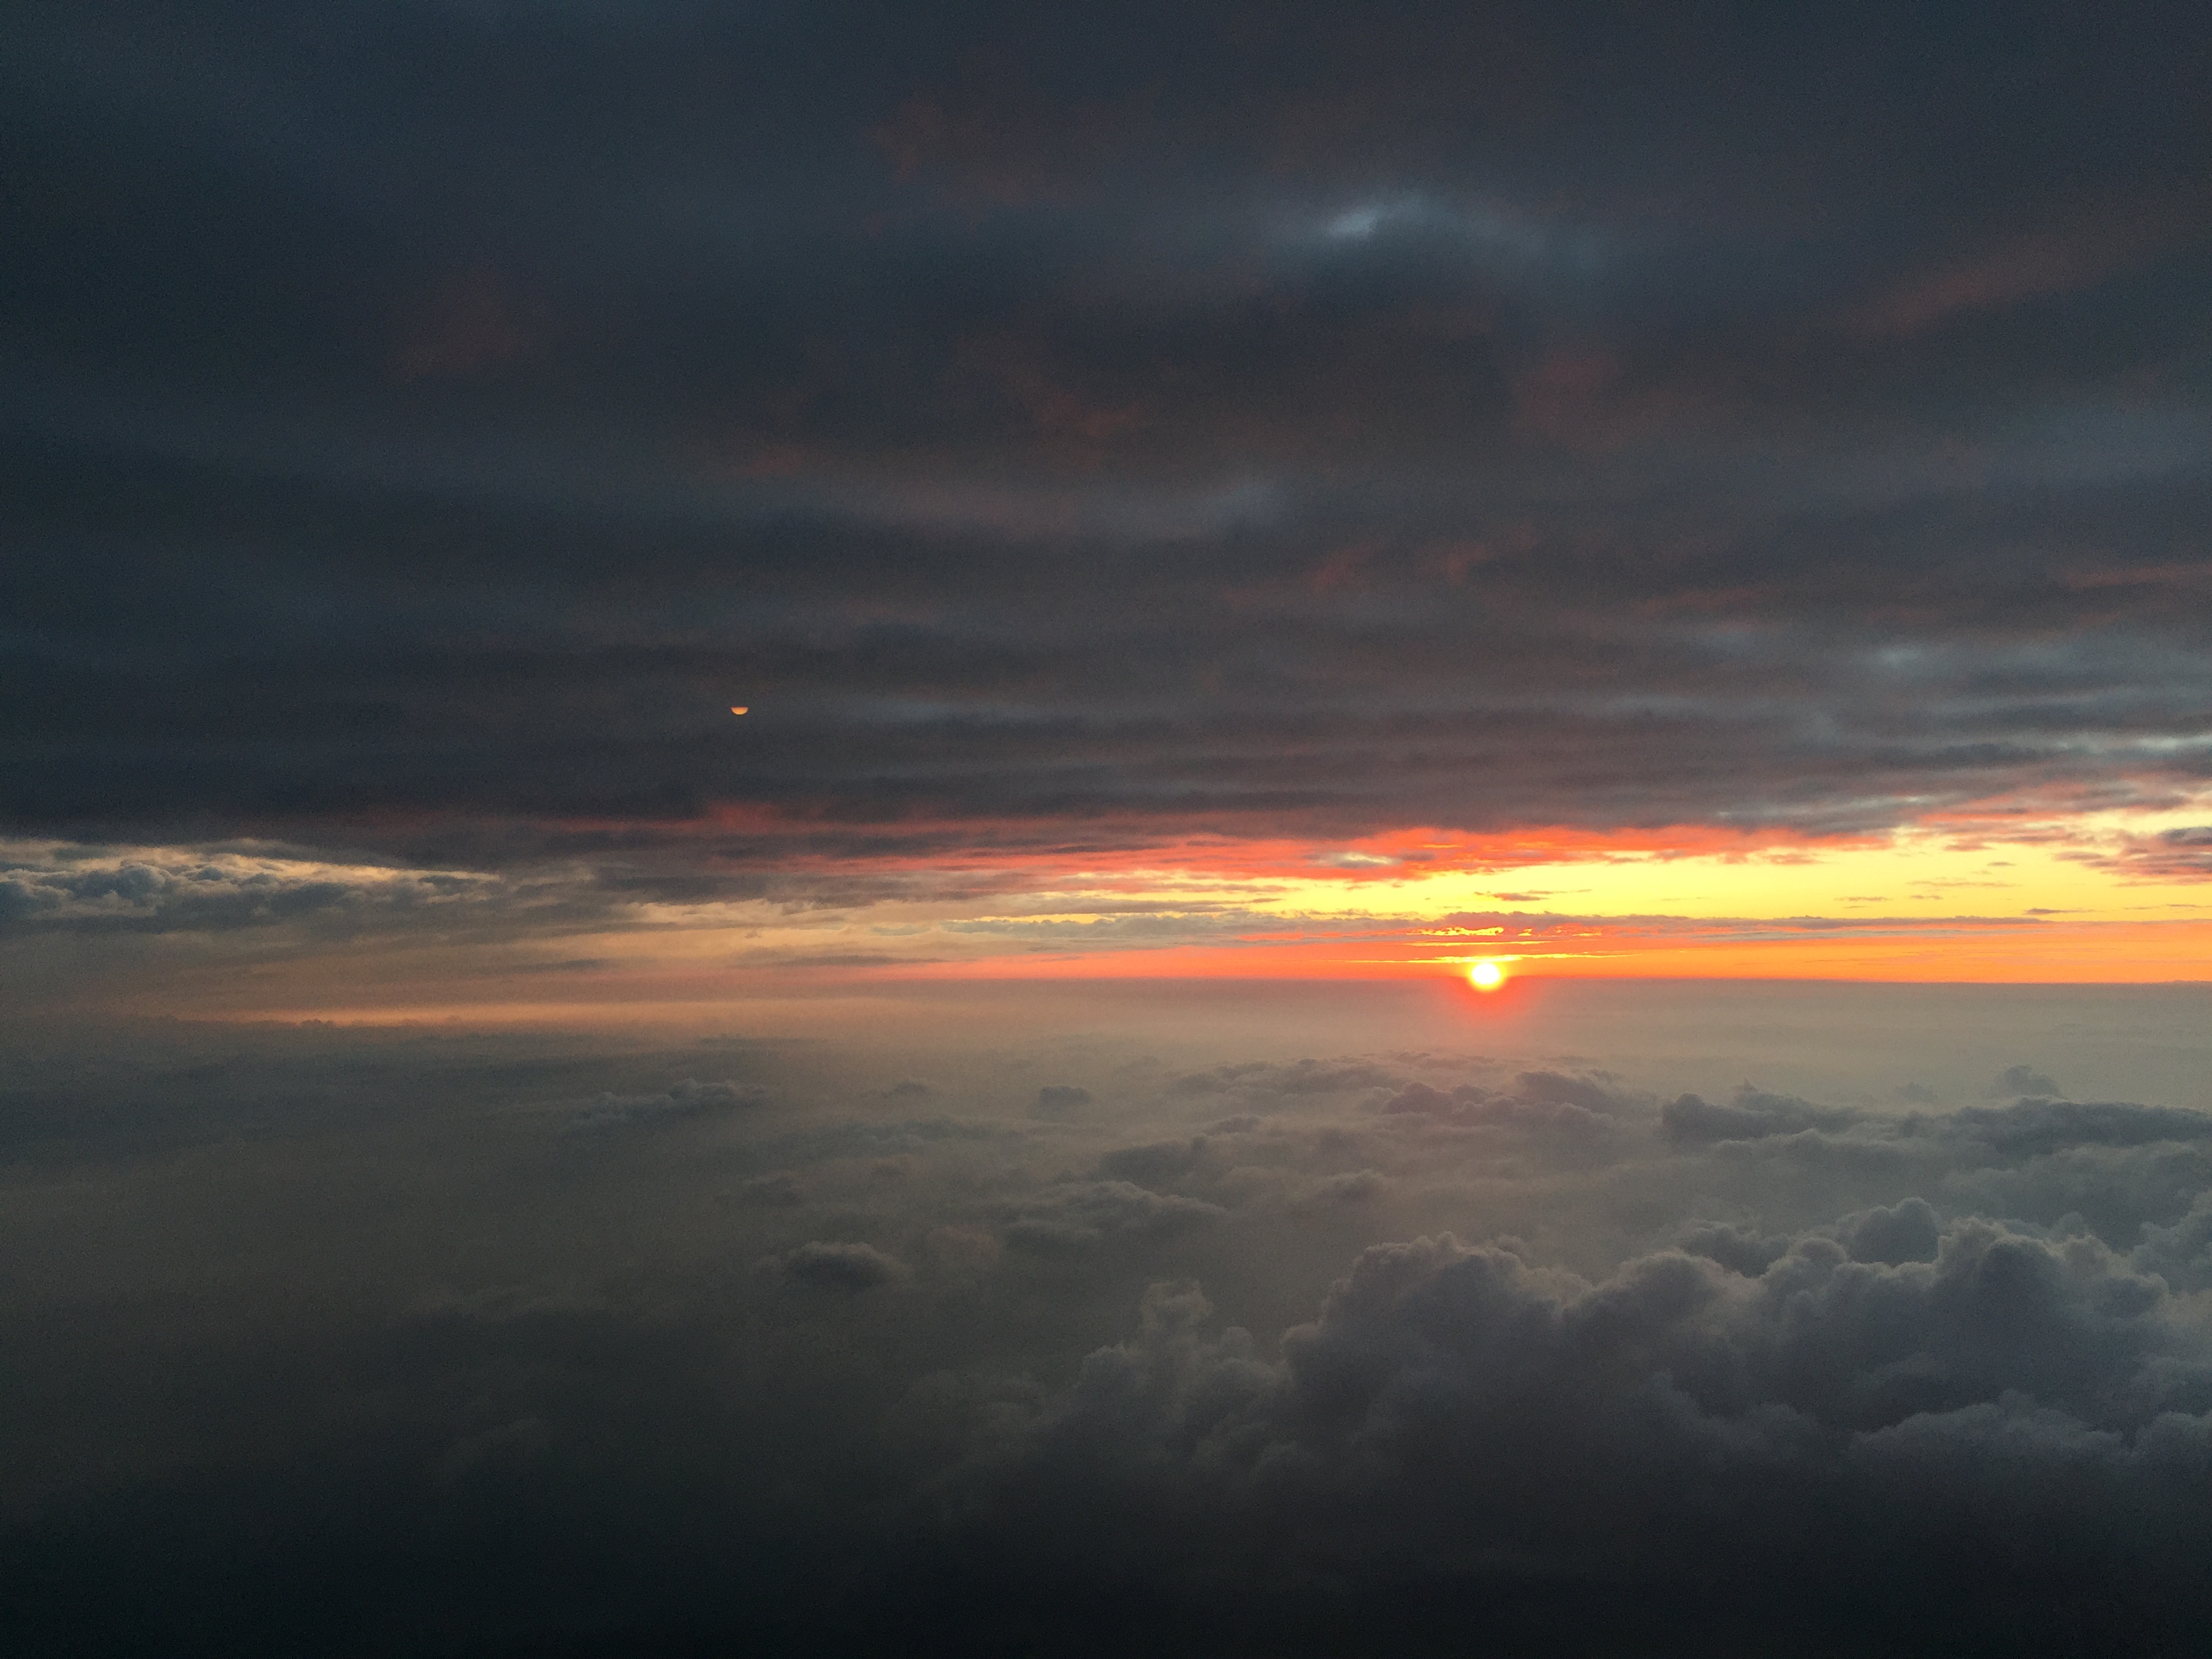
426 424
491 1342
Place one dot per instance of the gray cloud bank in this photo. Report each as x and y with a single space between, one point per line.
415 1343
49 887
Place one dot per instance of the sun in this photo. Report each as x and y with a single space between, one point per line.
1485 976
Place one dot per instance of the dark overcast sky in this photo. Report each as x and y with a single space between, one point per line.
421 421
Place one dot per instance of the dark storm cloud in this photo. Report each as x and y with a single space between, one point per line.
424 423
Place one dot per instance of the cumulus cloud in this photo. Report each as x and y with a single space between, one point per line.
780 1189
2045 1126
2024 1081
1156 1163
1893 1233
1082 1215
1752 1115
1351 1187
1737 1248
1432 1331
846 1267
1535 1101
2181 1253
686 1098
1458 1406
1259 1080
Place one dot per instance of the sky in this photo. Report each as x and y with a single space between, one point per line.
752 755
1203 490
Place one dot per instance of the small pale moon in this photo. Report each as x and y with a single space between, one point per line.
734 709
1486 976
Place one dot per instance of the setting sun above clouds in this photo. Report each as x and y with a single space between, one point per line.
1485 976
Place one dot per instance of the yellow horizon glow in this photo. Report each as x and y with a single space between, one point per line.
2044 868
2053 899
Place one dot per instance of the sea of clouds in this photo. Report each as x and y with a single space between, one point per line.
327 1341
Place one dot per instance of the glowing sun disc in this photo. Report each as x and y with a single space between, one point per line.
1486 976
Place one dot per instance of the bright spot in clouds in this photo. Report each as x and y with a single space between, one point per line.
1485 976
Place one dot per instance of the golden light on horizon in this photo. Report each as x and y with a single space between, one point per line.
1485 976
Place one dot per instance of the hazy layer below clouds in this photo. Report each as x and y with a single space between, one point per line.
1071 1319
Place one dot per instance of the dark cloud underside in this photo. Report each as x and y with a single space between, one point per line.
423 424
